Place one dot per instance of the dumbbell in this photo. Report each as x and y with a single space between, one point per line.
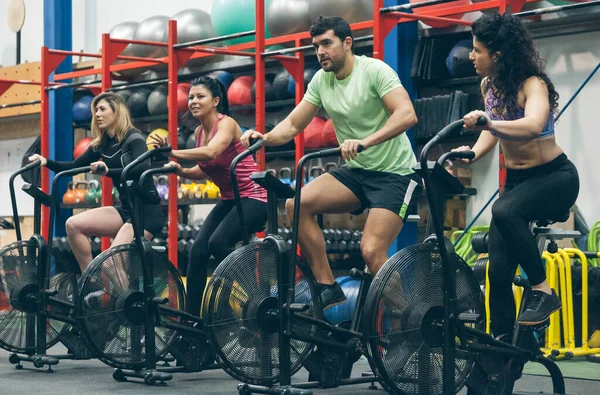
327 233
287 234
164 233
195 231
343 245
356 235
188 232
182 250
158 241
347 234
328 245
351 245
182 245
180 228
96 244
337 235
335 245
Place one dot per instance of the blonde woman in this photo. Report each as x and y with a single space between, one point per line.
115 145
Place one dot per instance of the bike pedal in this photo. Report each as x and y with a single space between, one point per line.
472 318
299 307
535 328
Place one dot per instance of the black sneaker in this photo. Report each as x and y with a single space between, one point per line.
331 295
538 307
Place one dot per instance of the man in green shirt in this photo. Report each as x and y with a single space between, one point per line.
370 109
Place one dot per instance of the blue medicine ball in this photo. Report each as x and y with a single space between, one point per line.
458 62
225 77
82 110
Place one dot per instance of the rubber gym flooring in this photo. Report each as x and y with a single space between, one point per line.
93 377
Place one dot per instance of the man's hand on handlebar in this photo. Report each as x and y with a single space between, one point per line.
349 148
35 157
250 135
471 118
99 168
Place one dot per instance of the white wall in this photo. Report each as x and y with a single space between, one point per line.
570 59
91 18
32 34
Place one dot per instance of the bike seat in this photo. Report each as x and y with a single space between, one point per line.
273 184
542 223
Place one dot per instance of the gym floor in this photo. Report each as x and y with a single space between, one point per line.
93 377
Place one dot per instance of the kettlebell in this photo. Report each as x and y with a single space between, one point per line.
115 195
304 174
211 191
272 172
183 190
196 191
315 172
69 196
81 188
330 167
162 186
94 194
285 175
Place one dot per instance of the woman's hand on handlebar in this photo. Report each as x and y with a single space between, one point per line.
176 165
349 148
99 168
158 141
35 157
471 118
250 135
463 148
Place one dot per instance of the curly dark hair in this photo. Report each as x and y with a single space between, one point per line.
516 59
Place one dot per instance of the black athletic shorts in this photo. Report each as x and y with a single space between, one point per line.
154 217
378 189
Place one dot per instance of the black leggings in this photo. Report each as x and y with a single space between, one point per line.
217 237
539 193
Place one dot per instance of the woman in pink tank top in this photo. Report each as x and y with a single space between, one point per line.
217 143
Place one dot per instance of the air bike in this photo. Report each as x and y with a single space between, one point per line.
419 321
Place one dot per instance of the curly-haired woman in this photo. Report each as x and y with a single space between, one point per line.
520 103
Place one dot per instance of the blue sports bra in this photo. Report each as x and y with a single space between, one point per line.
491 101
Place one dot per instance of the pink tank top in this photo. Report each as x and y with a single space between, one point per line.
218 170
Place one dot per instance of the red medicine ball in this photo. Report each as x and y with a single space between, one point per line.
240 91
81 146
183 92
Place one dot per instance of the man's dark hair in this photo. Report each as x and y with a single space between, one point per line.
340 27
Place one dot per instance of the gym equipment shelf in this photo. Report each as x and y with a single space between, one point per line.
180 202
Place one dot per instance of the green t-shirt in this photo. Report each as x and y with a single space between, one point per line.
356 108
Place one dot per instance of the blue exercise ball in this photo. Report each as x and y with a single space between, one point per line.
458 62
308 76
82 110
344 312
224 77
280 85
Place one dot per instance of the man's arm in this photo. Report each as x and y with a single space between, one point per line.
293 124
402 117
